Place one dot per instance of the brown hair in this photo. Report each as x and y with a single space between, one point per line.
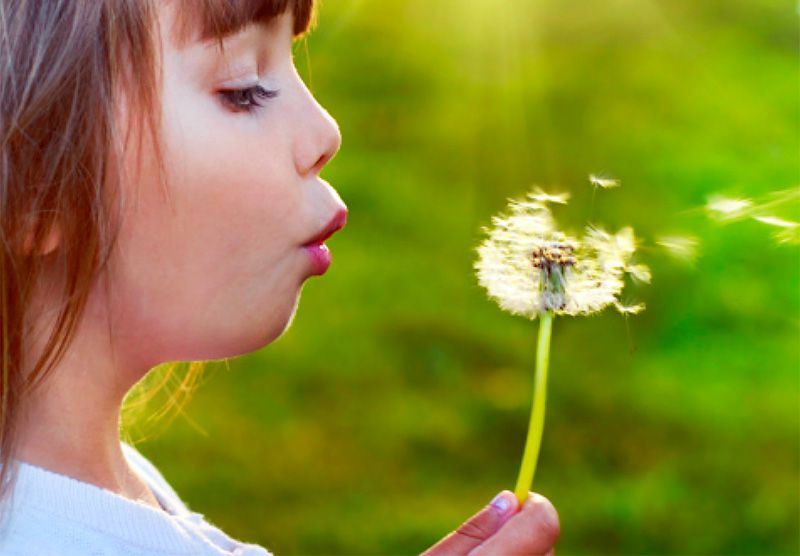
63 65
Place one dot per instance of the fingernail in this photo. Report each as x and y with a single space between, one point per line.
501 502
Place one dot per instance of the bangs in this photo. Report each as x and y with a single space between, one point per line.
216 19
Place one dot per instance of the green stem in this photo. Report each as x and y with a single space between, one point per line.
534 440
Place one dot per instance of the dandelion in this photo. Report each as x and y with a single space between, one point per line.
533 270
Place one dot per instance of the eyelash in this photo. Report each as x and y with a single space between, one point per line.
233 97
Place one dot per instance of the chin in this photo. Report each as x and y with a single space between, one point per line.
253 334
280 321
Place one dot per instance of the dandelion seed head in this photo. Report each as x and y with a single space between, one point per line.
528 266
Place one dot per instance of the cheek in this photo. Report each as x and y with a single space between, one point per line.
233 191
211 265
233 177
233 167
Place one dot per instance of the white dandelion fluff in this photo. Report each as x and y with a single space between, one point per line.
529 267
681 247
726 208
788 231
539 195
775 221
603 182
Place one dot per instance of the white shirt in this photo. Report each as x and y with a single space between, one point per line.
56 515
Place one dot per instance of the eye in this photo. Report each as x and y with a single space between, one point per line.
247 99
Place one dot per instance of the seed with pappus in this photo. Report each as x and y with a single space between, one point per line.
603 181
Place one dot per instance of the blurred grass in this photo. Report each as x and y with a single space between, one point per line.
396 404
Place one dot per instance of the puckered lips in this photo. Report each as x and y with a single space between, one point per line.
335 224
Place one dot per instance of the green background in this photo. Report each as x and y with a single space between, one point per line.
397 403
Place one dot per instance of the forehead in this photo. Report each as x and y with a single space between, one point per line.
207 20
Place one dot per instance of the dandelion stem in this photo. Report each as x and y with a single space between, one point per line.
534 440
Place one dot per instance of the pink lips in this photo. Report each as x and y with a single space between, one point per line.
320 257
318 252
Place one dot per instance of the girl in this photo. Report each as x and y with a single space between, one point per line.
160 201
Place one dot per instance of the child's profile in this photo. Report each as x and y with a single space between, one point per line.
161 201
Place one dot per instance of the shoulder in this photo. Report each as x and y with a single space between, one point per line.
21 533
152 475
37 531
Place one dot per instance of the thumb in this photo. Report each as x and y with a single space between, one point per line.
478 528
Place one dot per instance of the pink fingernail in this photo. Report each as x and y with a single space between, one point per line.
501 503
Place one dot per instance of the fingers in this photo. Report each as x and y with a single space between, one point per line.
534 530
478 528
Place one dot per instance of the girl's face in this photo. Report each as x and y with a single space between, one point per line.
215 268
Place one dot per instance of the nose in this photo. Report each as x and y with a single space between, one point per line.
318 139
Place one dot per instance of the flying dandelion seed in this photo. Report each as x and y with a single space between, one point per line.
725 208
681 247
603 182
630 309
775 221
532 269
788 235
538 195
789 232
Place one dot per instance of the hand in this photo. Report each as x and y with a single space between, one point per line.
503 529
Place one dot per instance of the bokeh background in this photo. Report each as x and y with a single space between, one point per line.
397 403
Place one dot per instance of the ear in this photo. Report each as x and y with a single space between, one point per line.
51 242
